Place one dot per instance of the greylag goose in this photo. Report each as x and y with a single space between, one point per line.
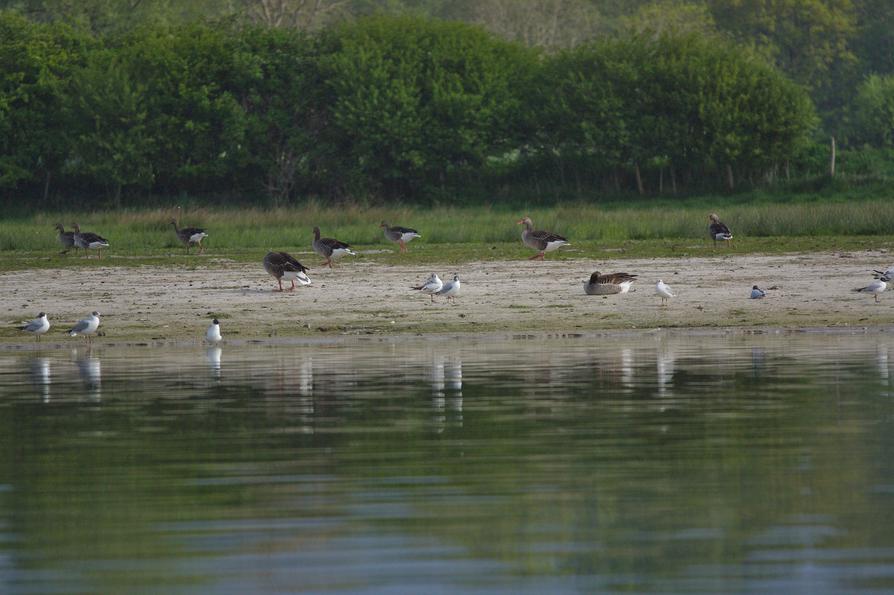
664 291
757 293
66 238
431 286
609 283
89 240
875 288
329 248
280 265
86 327
450 289
399 234
542 241
718 230
190 236
212 335
38 326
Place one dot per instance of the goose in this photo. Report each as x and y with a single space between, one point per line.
543 241
38 326
757 293
280 265
399 234
663 290
212 335
609 283
89 240
66 238
86 327
450 289
329 248
718 230
190 236
875 288
431 286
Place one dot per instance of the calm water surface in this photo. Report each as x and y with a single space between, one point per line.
647 463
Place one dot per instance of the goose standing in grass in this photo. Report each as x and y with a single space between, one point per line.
38 326
664 291
66 238
329 248
875 288
757 293
399 234
609 283
431 286
212 335
89 240
86 327
542 241
718 230
190 236
450 289
281 265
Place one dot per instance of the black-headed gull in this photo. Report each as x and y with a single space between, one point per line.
450 289
431 286
757 293
662 289
212 335
38 326
86 327
875 288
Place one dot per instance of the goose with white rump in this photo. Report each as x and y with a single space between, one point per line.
608 284
431 286
281 265
718 230
190 236
86 327
399 234
330 248
89 240
38 326
542 241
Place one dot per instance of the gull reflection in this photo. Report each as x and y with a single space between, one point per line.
881 361
212 355
306 378
627 368
438 400
90 370
40 377
455 388
664 363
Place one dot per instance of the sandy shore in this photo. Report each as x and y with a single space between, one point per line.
361 298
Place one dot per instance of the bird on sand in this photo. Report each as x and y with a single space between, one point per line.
399 234
450 289
609 283
757 293
212 335
281 265
431 286
875 288
663 290
330 248
86 327
542 241
38 326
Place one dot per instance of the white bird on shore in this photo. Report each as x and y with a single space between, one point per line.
86 327
212 335
662 289
38 326
886 275
450 289
431 286
757 293
875 288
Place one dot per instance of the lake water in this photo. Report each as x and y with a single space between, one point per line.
658 462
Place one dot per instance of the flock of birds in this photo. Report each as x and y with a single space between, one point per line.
283 266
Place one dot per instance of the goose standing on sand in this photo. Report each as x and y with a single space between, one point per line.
38 326
609 283
66 238
399 234
542 241
450 289
89 240
875 288
281 265
190 236
86 327
718 230
431 286
329 248
664 291
212 335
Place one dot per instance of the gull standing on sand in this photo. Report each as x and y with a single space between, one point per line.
450 289
718 230
399 234
212 335
543 241
875 288
38 326
431 286
330 248
886 275
609 283
757 293
662 289
86 327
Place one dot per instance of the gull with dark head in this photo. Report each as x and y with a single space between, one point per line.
212 335
38 326
86 327
757 293
431 286
450 289
875 288
664 291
